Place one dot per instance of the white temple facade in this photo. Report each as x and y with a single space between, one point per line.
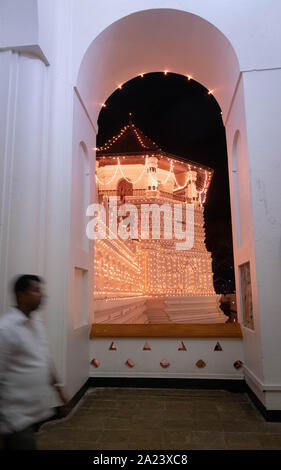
134 170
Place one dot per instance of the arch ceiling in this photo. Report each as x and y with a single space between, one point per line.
158 40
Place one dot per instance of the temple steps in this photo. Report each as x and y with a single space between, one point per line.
155 311
194 309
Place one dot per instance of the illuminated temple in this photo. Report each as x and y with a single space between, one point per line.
141 279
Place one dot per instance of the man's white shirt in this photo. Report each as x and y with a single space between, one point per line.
24 371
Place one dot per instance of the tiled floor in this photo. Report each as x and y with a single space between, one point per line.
158 419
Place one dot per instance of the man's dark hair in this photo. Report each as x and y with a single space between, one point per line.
22 283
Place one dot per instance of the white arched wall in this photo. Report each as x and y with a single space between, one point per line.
242 221
236 171
118 54
253 30
80 287
59 34
192 46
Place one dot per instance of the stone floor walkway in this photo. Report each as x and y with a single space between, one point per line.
158 419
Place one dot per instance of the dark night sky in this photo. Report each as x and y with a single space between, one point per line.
180 116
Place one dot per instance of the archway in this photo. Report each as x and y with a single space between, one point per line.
121 52
111 51
173 114
124 188
193 48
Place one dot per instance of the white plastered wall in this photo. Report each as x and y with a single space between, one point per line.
81 249
118 54
61 33
263 117
242 222
36 158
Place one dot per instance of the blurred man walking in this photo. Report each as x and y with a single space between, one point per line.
26 370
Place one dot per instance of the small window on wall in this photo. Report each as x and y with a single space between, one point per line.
246 295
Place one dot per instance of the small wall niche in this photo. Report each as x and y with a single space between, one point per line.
81 297
246 295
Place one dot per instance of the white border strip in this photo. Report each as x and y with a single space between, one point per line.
85 109
263 387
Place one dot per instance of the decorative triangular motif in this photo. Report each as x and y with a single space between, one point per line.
182 347
112 347
218 347
146 347
95 362
130 363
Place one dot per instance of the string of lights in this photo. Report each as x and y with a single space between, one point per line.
119 167
204 190
167 178
111 141
170 173
165 72
152 268
139 177
110 181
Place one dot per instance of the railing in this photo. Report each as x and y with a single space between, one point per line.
173 196
144 192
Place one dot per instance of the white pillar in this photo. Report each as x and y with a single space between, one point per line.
36 166
263 112
242 226
190 190
152 183
254 142
23 175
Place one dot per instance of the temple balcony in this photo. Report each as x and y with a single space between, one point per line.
145 193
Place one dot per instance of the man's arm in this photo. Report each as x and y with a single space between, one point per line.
53 380
55 383
5 356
